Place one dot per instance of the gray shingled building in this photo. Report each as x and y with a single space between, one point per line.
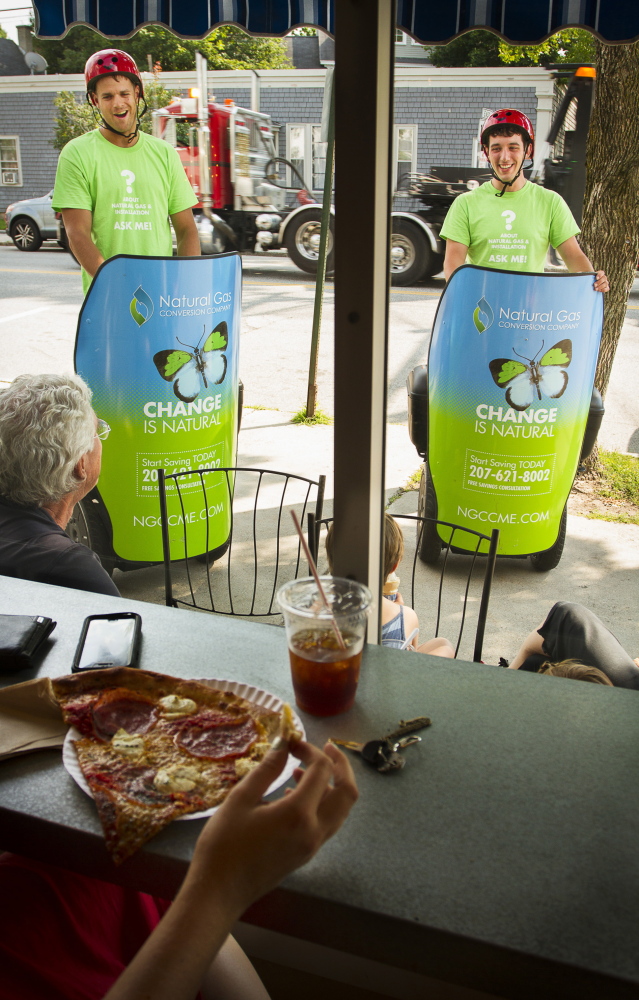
437 113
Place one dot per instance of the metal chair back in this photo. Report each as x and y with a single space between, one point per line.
441 595
262 552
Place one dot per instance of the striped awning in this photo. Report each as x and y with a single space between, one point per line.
428 21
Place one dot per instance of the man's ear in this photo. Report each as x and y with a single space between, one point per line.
79 469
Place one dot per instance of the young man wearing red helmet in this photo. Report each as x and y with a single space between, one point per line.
116 186
508 223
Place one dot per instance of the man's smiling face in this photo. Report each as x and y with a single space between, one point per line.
506 154
116 98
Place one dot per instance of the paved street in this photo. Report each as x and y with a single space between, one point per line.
39 304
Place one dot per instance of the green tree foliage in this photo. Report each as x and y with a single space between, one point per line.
3 33
474 48
74 118
483 48
225 48
571 45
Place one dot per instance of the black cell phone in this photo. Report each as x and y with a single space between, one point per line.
108 641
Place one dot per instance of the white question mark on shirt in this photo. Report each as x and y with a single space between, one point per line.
129 177
507 215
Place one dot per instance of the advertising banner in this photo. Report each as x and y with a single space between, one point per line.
510 376
158 343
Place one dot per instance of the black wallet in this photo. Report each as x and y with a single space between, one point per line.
20 637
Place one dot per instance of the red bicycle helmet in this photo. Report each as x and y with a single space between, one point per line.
108 62
508 116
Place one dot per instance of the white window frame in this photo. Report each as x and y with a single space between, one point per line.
413 159
4 171
400 37
307 172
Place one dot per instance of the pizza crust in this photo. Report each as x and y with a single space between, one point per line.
121 768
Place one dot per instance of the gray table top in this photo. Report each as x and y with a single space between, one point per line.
503 857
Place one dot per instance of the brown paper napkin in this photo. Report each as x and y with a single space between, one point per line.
30 718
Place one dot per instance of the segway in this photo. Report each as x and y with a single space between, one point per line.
504 410
158 344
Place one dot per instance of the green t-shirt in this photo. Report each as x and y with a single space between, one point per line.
130 191
512 232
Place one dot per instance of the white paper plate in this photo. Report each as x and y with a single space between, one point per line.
253 694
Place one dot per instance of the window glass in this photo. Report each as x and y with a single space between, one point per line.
10 173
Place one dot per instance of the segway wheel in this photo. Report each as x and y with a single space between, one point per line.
429 544
549 558
86 527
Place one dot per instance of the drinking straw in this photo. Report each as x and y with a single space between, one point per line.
408 641
311 563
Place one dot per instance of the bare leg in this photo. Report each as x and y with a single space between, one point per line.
438 647
533 643
232 977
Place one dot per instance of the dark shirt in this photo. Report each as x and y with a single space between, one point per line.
34 547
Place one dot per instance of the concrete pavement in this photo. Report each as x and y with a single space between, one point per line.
599 567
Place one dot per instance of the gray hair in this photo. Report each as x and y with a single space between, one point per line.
46 426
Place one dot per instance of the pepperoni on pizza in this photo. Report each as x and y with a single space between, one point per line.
153 748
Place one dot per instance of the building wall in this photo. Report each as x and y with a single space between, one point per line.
444 104
31 118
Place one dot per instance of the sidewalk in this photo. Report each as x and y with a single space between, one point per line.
599 567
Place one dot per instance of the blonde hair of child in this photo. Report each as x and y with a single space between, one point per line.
575 671
393 545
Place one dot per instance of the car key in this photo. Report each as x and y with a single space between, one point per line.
381 754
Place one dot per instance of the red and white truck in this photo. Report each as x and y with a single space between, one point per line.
230 157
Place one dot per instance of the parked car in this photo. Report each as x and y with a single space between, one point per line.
31 221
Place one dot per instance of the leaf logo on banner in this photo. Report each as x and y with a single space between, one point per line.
141 307
483 316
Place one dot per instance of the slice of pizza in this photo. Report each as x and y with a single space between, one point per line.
154 748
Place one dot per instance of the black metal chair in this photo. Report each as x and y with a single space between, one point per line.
454 582
259 549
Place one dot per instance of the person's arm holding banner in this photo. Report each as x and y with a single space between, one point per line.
455 257
78 223
575 260
188 241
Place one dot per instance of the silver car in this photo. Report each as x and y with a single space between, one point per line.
31 221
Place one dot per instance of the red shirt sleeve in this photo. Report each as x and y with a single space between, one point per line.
64 936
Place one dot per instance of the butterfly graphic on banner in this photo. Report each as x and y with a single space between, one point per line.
192 372
530 380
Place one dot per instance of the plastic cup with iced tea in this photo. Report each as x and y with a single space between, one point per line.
324 675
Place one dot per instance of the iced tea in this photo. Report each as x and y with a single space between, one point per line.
324 676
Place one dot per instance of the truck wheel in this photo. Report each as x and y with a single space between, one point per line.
429 544
25 234
549 558
302 240
86 526
410 253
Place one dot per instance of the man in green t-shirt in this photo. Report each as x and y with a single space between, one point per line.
508 223
117 187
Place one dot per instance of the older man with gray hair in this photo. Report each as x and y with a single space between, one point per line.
50 454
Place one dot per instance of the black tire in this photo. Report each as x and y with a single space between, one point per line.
549 558
25 234
411 255
87 526
301 240
429 544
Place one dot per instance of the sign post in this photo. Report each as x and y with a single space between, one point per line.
158 343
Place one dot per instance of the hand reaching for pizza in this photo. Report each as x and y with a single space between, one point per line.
244 850
288 831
